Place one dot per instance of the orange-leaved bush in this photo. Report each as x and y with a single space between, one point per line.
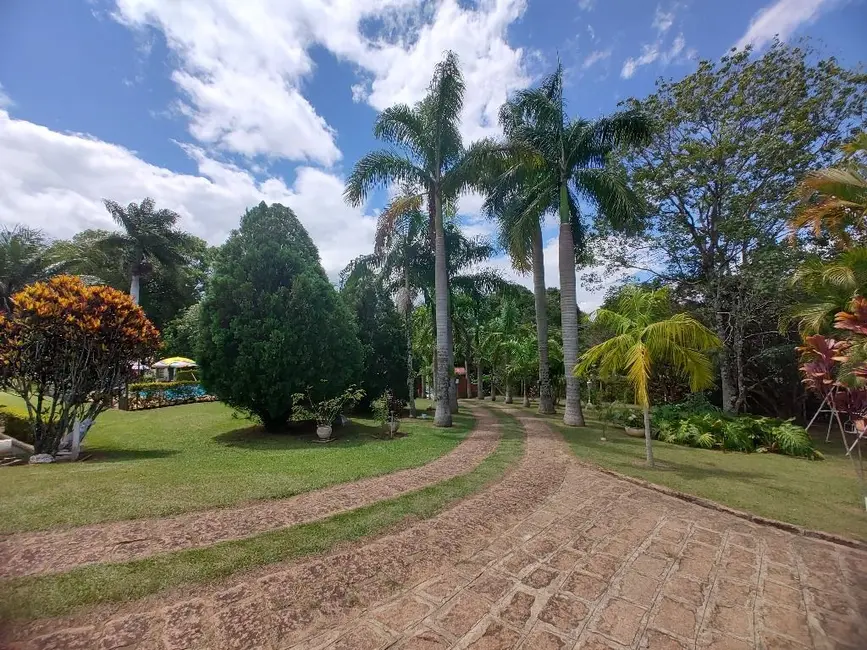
67 349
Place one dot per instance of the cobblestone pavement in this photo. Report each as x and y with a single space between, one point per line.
56 551
554 556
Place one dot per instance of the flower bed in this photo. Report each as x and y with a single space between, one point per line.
148 395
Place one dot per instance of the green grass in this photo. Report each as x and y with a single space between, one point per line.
822 495
182 458
57 595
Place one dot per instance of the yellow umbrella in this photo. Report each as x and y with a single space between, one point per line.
175 362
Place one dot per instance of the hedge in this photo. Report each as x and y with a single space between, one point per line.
153 394
17 424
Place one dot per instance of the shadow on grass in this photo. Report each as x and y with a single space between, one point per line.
123 455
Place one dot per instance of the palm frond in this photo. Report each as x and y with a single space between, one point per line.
379 169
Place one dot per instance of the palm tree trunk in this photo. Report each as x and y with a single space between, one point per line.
480 389
648 445
410 375
509 399
134 287
569 314
453 387
443 415
546 398
526 394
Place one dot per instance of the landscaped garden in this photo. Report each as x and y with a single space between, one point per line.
320 416
182 458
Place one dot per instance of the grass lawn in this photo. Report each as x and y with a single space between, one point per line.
57 595
822 495
181 458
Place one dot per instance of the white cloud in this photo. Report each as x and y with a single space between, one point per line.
241 65
662 20
5 100
55 181
782 19
586 5
595 57
649 54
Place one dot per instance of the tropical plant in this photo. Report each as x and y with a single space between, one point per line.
429 156
830 286
324 411
272 323
147 235
498 342
523 363
388 409
645 334
559 160
24 258
834 200
66 348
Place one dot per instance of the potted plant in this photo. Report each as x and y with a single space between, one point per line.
387 410
324 411
629 418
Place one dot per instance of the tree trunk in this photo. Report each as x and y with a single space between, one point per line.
569 316
725 370
453 387
648 445
467 394
493 387
134 287
509 399
546 398
526 394
480 389
407 319
443 415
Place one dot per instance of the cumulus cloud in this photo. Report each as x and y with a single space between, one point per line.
241 65
782 19
56 181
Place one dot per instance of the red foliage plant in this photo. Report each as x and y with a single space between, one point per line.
67 349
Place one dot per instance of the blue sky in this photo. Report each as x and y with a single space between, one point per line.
210 106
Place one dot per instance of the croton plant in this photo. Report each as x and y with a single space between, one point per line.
838 367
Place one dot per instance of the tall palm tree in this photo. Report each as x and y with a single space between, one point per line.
25 257
427 154
646 334
147 234
835 199
830 286
564 160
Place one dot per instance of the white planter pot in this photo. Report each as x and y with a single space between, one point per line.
324 432
634 432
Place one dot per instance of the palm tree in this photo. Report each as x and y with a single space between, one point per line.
830 286
646 334
560 160
25 257
523 360
835 199
498 341
147 234
428 155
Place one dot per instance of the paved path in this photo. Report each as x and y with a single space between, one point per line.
554 556
56 551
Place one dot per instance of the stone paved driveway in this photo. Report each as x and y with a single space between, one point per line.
555 556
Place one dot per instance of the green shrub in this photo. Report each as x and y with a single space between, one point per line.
16 423
272 324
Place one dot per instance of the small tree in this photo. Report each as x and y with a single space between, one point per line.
66 349
272 323
646 334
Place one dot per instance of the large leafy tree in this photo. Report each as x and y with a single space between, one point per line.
646 334
427 154
380 332
25 257
272 323
562 162
147 235
732 141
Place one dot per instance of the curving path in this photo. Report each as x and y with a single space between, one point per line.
556 555
56 551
